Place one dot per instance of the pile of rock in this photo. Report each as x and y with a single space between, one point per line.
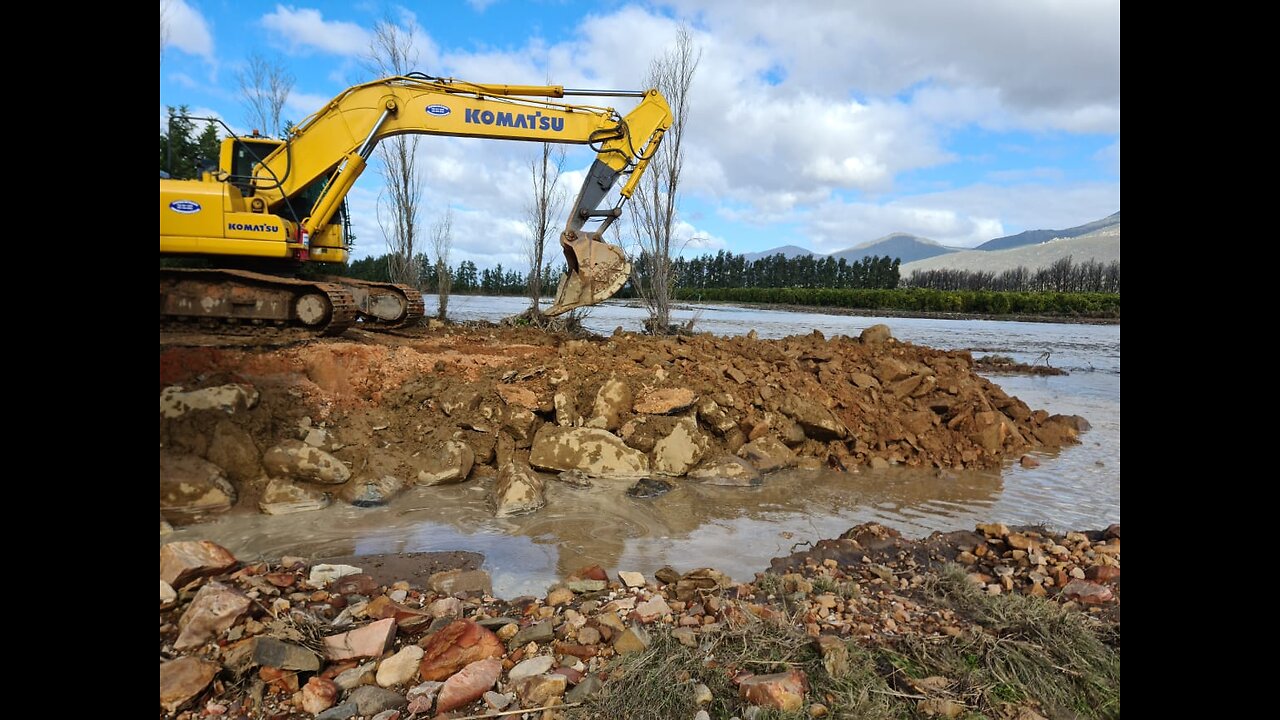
720 410
286 640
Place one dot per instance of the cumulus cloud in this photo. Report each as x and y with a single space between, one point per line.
186 29
300 104
305 29
1039 57
805 115
963 217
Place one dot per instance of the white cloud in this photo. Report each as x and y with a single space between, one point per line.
804 114
963 217
305 29
184 80
1039 56
300 105
480 5
186 29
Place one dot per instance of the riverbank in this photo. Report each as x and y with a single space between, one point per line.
290 426
690 300
1002 622
926 314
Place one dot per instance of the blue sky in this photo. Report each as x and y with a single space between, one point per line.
814 123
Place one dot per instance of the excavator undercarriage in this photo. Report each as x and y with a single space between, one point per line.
245 299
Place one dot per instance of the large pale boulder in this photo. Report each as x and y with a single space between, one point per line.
612 400
191 486
679 451
449 462
283 497
519 490
596 452
176 401
299 461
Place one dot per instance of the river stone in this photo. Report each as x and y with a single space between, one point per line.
185 560
215 608
176 402
818 422
519 396
665 401
715 417
566 415
679 451
191 486
372 492
876 334
612 400
598 453
401 667
298 460
767 453
232 449
449 462
528 668
729 471
650 488
518 490
282 497
372 700
183 679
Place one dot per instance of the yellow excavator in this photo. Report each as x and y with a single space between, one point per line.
273 205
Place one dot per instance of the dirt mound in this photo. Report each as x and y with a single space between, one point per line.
391 401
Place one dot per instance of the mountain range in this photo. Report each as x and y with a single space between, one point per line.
1099 240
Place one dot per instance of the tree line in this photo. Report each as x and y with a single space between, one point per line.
466 277
727 270
984 302
1063 275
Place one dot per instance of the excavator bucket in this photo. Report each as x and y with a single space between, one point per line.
597 270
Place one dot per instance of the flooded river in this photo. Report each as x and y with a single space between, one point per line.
738 530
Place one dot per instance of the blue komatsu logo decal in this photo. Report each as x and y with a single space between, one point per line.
438 110
524 121
186 207
262 227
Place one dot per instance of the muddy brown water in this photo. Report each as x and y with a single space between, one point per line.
738 530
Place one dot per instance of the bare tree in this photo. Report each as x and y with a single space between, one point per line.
265 85
655 203
441 244
542 212
393 52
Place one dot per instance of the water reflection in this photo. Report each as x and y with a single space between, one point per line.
737 530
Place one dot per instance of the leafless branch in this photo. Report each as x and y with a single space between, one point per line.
265 85
392 51
543 211
653 208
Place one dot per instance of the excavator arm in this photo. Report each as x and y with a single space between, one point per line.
335 143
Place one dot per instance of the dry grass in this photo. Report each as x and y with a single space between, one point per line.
658 683
1033 651
1030 653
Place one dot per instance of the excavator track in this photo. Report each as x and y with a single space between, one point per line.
240 298
383 305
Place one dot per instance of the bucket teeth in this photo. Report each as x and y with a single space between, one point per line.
597 270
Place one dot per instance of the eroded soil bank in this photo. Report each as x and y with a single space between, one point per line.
288 426
997 622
